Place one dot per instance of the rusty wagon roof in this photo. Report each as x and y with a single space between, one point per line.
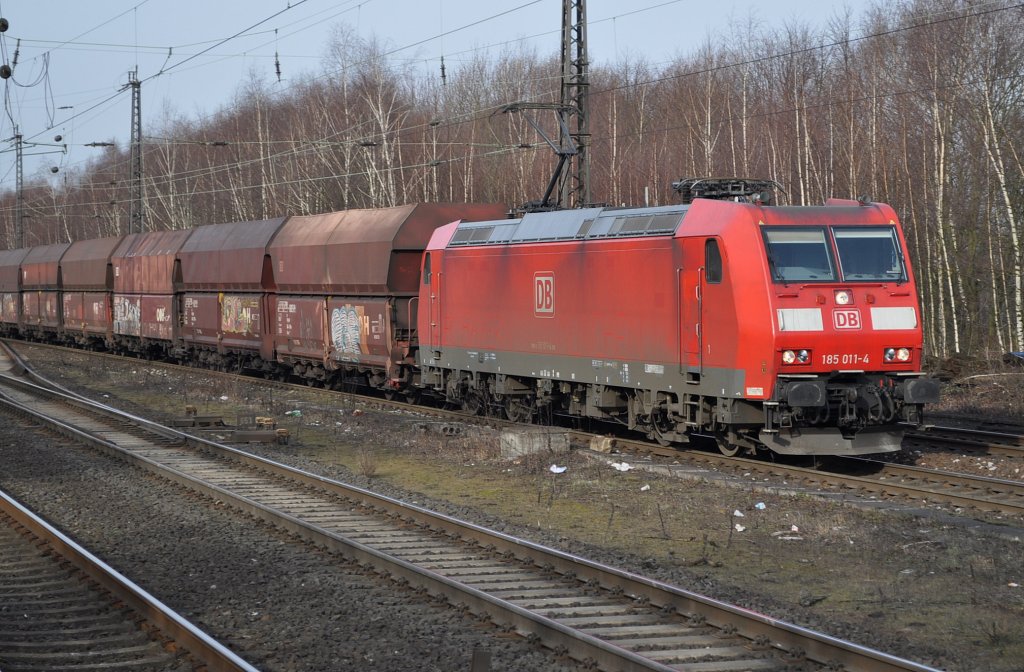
10 268
144 262
228 256
85 264
363 251
40 269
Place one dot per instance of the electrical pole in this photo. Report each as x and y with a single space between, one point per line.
574 185
571 181
137 197
19 222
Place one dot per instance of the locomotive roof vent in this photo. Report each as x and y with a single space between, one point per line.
740 189
575 224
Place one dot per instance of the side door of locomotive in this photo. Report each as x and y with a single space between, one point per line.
691 307
704 300
431 343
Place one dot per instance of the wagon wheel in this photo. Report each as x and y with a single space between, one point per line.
519 408
472 403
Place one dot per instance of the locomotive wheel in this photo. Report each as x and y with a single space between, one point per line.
518 409
660 429
727 447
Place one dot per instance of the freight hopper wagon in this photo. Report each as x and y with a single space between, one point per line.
10 290
146 274
795 329
86 282
346 292
41 314
225 297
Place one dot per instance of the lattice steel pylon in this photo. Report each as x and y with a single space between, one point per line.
19 229
137 196
574 184
571 177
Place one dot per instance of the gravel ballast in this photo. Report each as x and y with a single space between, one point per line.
898 578
278 602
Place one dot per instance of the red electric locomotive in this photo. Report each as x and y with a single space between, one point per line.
795 329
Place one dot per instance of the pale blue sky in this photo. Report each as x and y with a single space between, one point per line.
76 55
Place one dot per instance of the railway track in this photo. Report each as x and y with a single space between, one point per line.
850 475
611 619
63 608
970 440
865 477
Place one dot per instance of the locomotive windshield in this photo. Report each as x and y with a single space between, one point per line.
869 253
799 255
865 253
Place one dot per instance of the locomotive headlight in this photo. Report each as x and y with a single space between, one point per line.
843 297
897 354
796 356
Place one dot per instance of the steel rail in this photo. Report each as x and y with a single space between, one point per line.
761 632
203 648
971 440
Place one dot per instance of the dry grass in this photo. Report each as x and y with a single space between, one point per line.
367 462
984 390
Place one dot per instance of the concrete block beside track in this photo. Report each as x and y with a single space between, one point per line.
519 442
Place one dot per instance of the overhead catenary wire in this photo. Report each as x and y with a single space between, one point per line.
45 57
213 43
497 152
519 148
471 117
697 72
282 183
594 22
291 5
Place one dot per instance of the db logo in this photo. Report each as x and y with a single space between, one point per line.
847 318
544 294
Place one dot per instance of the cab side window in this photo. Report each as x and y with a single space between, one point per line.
426 269
712 261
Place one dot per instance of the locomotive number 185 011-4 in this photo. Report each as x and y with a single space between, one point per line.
844 359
